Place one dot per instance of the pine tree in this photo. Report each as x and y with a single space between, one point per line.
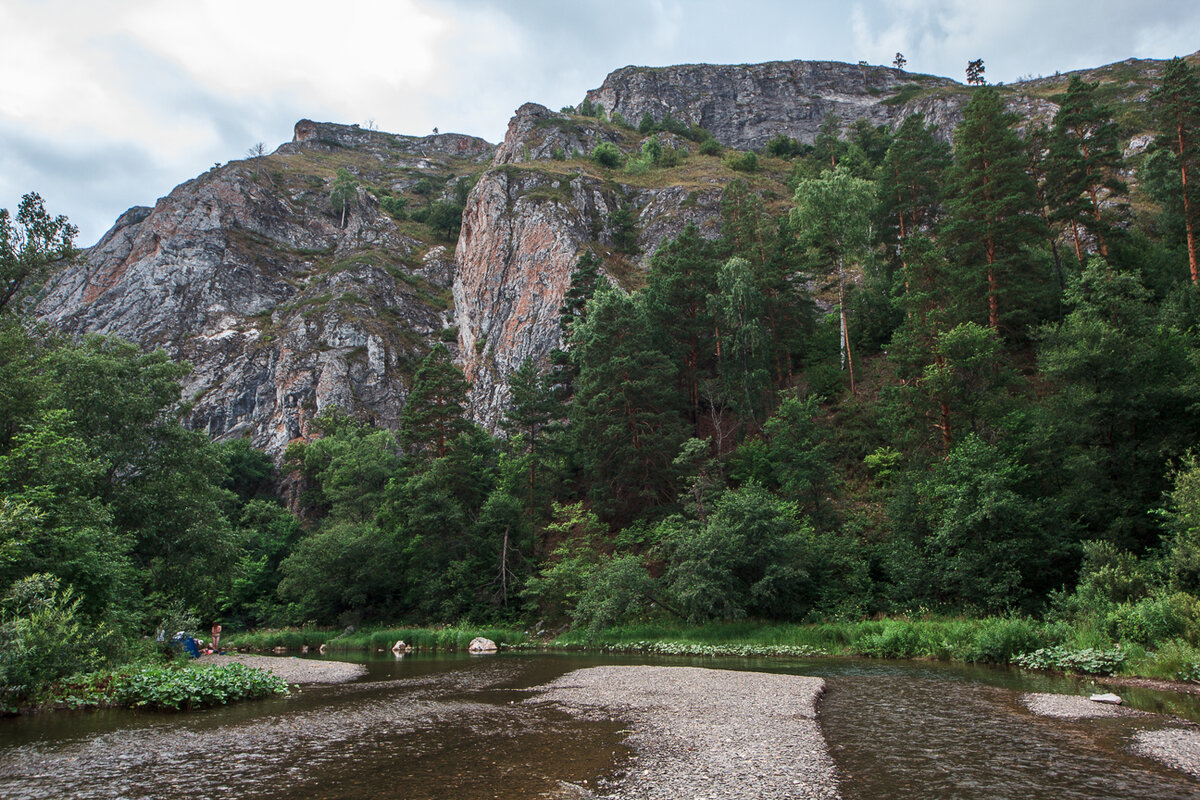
1087 162
1040 168
1176 104
626 419
434 412
993 216
532 411
682 276
910 182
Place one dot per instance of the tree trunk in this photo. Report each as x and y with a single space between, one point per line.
1187 209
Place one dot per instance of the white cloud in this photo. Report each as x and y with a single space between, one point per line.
108 103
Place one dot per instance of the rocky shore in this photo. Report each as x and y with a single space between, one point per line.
294 670
703 733
1177 746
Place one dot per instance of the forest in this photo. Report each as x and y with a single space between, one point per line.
945 381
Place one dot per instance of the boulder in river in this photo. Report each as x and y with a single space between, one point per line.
1106 698
482 645
400 647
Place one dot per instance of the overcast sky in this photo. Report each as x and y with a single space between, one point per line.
107 104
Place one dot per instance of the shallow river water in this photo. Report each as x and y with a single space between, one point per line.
454 727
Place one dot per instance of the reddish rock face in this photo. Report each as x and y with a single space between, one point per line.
524 229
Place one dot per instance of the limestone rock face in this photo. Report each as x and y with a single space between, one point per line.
745 105
249 274
523 230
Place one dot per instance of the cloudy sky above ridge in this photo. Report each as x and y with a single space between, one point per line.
111 103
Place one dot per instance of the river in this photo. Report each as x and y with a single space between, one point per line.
454 726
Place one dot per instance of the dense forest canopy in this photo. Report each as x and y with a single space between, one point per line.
989 409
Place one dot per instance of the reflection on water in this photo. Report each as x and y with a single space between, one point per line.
453 727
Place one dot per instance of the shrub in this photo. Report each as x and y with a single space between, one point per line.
42 636
1000 640
711 147
743 162
394 206
607 155
1150 620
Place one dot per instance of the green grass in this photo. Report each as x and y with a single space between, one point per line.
371 639
991 640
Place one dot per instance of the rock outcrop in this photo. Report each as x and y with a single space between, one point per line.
525 226
746 105
285 309
249 274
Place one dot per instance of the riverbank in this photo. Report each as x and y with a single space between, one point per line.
989 640
707 733
295 671
370 639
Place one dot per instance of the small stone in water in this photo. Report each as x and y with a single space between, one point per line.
1106 698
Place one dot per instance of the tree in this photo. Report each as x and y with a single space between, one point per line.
752 557
975 72
1176 104
1121 404
1086 160
344 192
993 218
743 341
986 544
627 419
899 61
28 248
608 155
682 276
433 414
256 150
910 182
532 411
445 218
833 217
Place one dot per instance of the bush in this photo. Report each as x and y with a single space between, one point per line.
42 636
394 206
1000 640
711 147
1151 620
743 162
607 155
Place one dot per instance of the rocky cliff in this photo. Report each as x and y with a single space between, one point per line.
528 220
745 105
282 307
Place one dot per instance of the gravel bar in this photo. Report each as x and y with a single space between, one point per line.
1067 706
1176 747
294 670
707 734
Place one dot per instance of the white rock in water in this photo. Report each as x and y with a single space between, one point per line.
482 645
1106 698
400 647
